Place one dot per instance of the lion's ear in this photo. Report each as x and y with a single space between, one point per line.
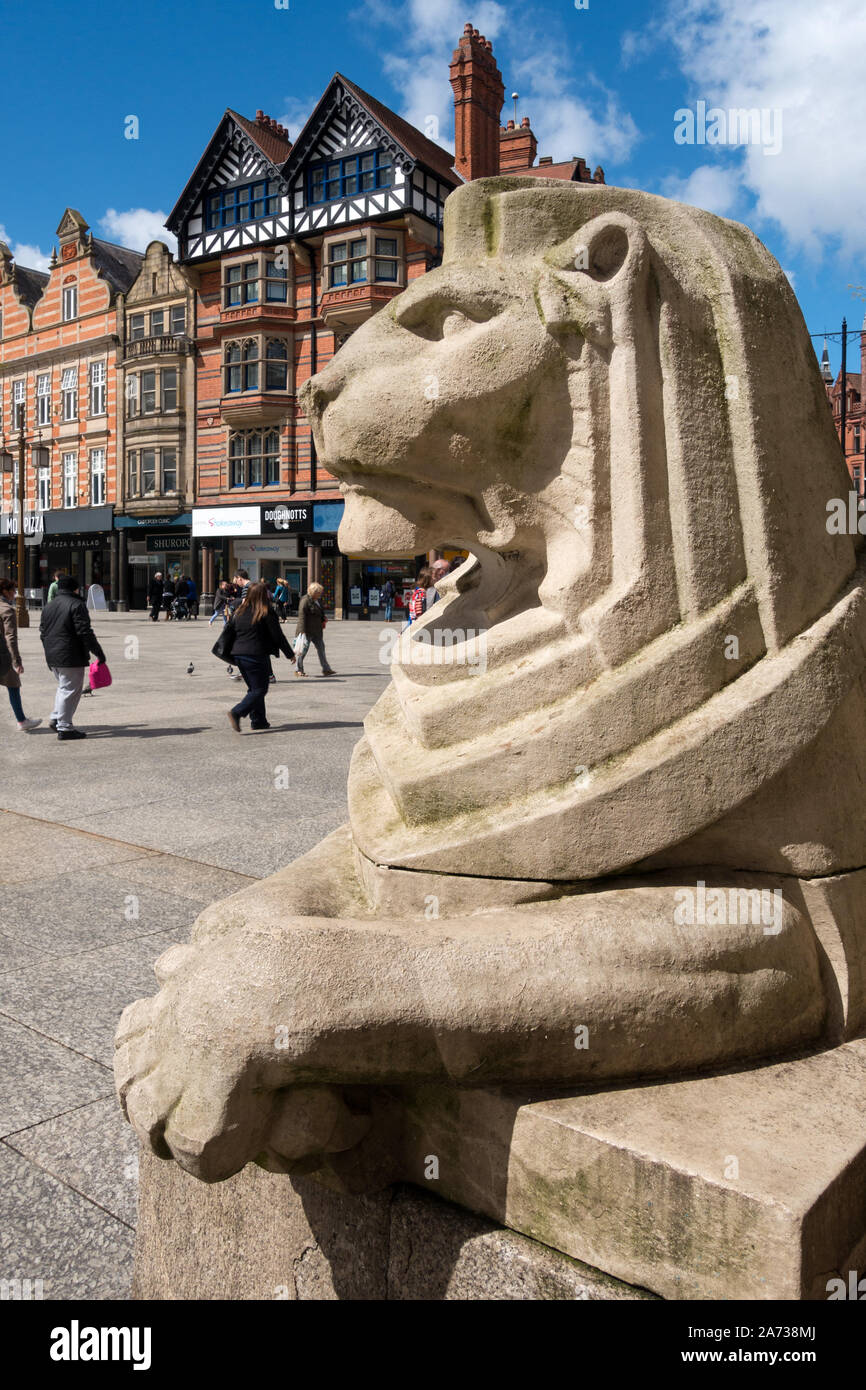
583 274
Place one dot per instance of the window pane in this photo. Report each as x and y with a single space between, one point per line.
148 470
169 470
386 270
368 161
338 275
169 389
350 184
338 251
148 392
251 271
359 272
233 381
252 381
157 323
136 326
178 318
368 180
251 351
276 376
358 248
277 291
233 273
386 246
233 353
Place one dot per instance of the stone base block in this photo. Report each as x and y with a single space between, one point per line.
262 1236
747 1185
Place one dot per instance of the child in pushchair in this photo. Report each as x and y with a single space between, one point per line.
180 607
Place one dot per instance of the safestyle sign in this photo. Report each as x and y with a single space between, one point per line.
218 522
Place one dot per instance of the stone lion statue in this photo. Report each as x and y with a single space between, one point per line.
606 820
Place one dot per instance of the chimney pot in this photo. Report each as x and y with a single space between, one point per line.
525 121
467 28
260 115
510 125
546 159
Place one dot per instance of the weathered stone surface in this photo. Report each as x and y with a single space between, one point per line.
626 700
263 1236
749 1184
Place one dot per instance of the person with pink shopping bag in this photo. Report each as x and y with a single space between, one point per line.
68 640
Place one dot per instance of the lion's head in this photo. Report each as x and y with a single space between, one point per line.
611 401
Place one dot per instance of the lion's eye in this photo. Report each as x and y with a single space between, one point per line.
435 320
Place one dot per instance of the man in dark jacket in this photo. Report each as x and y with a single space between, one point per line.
68 640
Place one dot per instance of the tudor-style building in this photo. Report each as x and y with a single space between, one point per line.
60 335
291 247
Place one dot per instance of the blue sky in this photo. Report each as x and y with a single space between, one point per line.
603 81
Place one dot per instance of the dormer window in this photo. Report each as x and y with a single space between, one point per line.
246 203
345 178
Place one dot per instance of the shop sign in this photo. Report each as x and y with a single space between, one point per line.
157 545
127 523
218 523
328 544
285 517
72 542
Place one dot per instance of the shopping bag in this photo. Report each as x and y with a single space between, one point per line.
100 676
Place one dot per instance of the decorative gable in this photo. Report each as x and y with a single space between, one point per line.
237 197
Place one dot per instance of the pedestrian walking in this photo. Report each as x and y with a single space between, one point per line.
388 594
224 595
418 596
311 625
52 587
240 584
192 596
281 594
154 596
11 665
68 639
167 596
256 637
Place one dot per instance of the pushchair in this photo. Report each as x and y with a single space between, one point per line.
180 608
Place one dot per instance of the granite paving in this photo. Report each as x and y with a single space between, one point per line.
111 847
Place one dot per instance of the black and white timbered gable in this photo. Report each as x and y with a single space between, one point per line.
237 196
355 161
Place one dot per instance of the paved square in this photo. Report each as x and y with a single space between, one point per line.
111 848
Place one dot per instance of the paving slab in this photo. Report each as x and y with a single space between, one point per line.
77 1000
92 1150
51 1233
78 911
41 1078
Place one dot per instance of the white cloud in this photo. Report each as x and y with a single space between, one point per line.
796 57
590 124
295 115
136 228
714 187
31 257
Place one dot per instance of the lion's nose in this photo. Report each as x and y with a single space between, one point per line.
319 391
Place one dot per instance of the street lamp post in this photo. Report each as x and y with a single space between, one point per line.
21 613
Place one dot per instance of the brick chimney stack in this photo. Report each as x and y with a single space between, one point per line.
517 147
478 96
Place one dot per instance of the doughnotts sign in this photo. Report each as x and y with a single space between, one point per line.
281 518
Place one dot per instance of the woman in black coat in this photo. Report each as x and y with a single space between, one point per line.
255 636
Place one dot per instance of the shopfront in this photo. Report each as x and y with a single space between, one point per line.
295 541
151 544
77 541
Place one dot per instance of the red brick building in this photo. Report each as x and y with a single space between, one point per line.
290 248
60 333
855 408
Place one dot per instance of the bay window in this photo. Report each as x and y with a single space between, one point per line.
367 258
254 459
